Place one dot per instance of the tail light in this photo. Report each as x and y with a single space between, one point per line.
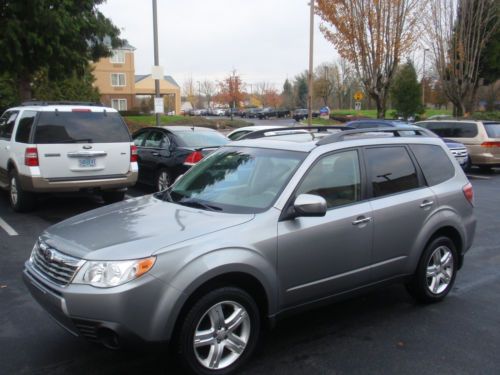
469 193
490 144
193 158
31 157
133 153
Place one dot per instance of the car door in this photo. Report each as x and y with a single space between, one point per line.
400 203
7 122
152 153
322 256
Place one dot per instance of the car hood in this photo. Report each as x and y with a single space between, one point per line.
452 144
135 229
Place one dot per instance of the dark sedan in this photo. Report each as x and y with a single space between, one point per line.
166 152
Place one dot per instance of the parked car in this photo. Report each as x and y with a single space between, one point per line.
457 149
240 132
259 229
252 112
301 114
166 152
482 138
60 147
219 112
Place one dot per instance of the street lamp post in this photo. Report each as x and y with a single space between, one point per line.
423 79
157 59
310 73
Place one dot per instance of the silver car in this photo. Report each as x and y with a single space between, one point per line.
258 229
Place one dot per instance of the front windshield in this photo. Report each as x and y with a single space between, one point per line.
237 180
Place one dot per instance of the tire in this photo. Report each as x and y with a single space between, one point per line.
113 196
163 179
485 168
436 271
225 349
19 199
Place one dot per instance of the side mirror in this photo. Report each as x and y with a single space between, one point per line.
309 205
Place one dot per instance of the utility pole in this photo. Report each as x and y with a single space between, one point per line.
310 74
423 79
157 58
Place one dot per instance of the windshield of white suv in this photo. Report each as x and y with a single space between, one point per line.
236 180
80 127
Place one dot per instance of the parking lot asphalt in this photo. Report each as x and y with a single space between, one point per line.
381 332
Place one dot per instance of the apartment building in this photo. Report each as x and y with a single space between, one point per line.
119 85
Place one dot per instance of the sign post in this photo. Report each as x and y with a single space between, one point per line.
358 97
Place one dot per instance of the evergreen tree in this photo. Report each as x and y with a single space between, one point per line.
61 36
287 94
300 88
406 91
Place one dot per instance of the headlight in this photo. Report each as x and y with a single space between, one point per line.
106 274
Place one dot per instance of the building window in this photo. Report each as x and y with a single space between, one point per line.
118 57
117 79
119 104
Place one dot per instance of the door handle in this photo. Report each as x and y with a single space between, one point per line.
426 204
361 220
155 153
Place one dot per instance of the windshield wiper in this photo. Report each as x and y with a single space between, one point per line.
198 204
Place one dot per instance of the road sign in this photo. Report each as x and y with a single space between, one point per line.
357 106
358 96
159 105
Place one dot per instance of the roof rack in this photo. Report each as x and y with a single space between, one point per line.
60 102
273 132
395 130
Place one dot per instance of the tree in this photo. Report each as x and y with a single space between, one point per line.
272 98
300 90
406 92
372 35
287 94
322 84
189 91
458 31
231 90
76 87
8 92
61 36
208 89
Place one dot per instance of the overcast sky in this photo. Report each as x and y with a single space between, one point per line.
264 40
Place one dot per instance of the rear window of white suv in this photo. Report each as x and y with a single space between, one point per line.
80 127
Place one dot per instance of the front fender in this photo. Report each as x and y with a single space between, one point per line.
209 266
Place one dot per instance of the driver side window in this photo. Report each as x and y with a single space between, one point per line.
336 178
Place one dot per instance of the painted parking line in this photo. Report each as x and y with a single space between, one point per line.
6 227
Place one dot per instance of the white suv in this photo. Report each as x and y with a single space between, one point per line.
64 147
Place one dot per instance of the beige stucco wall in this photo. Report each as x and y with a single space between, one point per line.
103 70
146 86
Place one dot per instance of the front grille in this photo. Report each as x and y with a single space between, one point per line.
54 265
87 329
458 152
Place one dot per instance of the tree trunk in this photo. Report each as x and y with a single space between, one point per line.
380 102
24 86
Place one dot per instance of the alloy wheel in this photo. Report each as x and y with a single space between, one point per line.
221 335
163 181
439 270
13 191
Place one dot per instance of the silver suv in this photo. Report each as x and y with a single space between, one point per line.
64 147
260 228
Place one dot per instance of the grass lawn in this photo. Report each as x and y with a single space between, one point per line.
372 113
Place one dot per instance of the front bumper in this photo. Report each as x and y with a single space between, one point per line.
135 311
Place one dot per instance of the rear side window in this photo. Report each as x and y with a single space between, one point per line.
24 127
201 138
76 127
493 130
435 164
451 129
7 124
390 170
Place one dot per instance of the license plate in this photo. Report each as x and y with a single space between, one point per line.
86 163
462 159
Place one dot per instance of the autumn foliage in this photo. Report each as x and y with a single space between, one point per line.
373 35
